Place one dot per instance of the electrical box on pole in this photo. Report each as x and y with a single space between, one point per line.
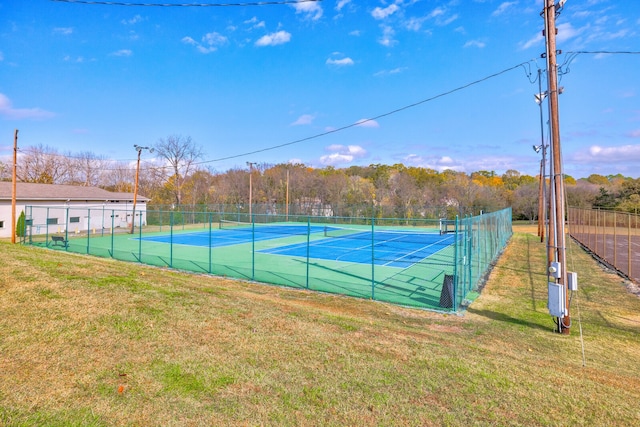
556 302
572 281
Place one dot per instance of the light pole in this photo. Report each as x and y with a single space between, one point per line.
135 188
250 164
542 205
287 197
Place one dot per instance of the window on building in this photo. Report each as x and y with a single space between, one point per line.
74 219
1 224
52 221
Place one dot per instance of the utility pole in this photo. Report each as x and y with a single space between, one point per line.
250 164
14 177
135 188
557 270
287 198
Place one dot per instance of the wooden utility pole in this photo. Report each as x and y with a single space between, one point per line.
251 165
14 177
557 245
135 188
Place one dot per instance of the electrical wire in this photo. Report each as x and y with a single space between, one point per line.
573 54
389 113
526 66
112 3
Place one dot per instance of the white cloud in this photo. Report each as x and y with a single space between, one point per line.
132 21
535 40
341 3
397 70
1 57
474 43
7 111
382 13
255 23
610 155
63 30
274 39
305 119
68 58
414 23
439 14
355 33
210 42
342 154
311 9
367 123
438 11
214 39
504 7
340 62
566 32
387 36
122 52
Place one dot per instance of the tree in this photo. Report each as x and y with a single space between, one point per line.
181 153
601 180
21 225
4 172
605 199
43 165
525 202
85 168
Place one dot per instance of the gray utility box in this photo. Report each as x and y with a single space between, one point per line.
556 304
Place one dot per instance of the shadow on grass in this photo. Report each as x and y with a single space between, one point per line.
501 317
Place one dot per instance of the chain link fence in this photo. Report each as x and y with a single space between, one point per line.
612 236
428 263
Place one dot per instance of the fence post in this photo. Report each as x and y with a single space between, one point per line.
455 268
615 239
139 236
171 239
373 243
210 222
88 228
112 225
308 247
629 244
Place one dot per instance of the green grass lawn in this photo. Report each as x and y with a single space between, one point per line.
89 341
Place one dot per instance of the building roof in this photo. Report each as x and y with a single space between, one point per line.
55 193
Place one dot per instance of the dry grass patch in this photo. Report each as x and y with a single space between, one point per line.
87 341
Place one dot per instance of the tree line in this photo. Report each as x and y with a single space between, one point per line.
176 176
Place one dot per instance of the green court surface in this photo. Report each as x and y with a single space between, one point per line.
243 254
433 264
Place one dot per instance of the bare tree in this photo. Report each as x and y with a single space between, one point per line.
181 153
4 172
42 165
118 177
86 168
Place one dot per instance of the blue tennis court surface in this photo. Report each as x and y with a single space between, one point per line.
389 248
235 236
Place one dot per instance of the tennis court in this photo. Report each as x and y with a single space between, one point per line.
405 262
387 248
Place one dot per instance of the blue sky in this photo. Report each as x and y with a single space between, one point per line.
242 80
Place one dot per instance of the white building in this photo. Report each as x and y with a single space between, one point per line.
68 208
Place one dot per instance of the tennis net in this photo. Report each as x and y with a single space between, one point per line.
280 229
378 236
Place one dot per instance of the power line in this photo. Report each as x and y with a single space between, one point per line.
112 3
524 65
573 54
